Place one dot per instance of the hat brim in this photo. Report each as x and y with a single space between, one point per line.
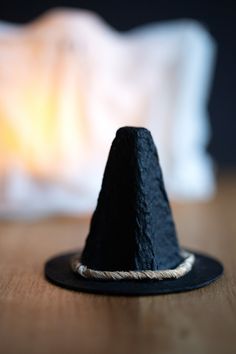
204 271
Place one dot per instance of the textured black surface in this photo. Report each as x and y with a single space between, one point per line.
132 227
204 272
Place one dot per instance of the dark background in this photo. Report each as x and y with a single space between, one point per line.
218 16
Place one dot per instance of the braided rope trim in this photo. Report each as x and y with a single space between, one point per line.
182 269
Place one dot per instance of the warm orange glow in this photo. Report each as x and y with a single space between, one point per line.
58 104
68 82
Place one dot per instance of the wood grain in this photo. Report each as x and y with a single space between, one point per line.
37 317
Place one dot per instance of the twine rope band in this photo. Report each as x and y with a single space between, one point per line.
181 270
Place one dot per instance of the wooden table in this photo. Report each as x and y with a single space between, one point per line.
37 317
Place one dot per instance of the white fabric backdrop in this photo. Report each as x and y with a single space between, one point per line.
68 81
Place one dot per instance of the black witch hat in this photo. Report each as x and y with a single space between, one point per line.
132 246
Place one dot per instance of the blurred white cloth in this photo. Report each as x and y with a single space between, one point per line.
69 81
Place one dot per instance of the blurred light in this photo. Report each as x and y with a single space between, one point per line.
68 81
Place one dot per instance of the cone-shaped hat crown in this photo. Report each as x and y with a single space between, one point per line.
132 227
